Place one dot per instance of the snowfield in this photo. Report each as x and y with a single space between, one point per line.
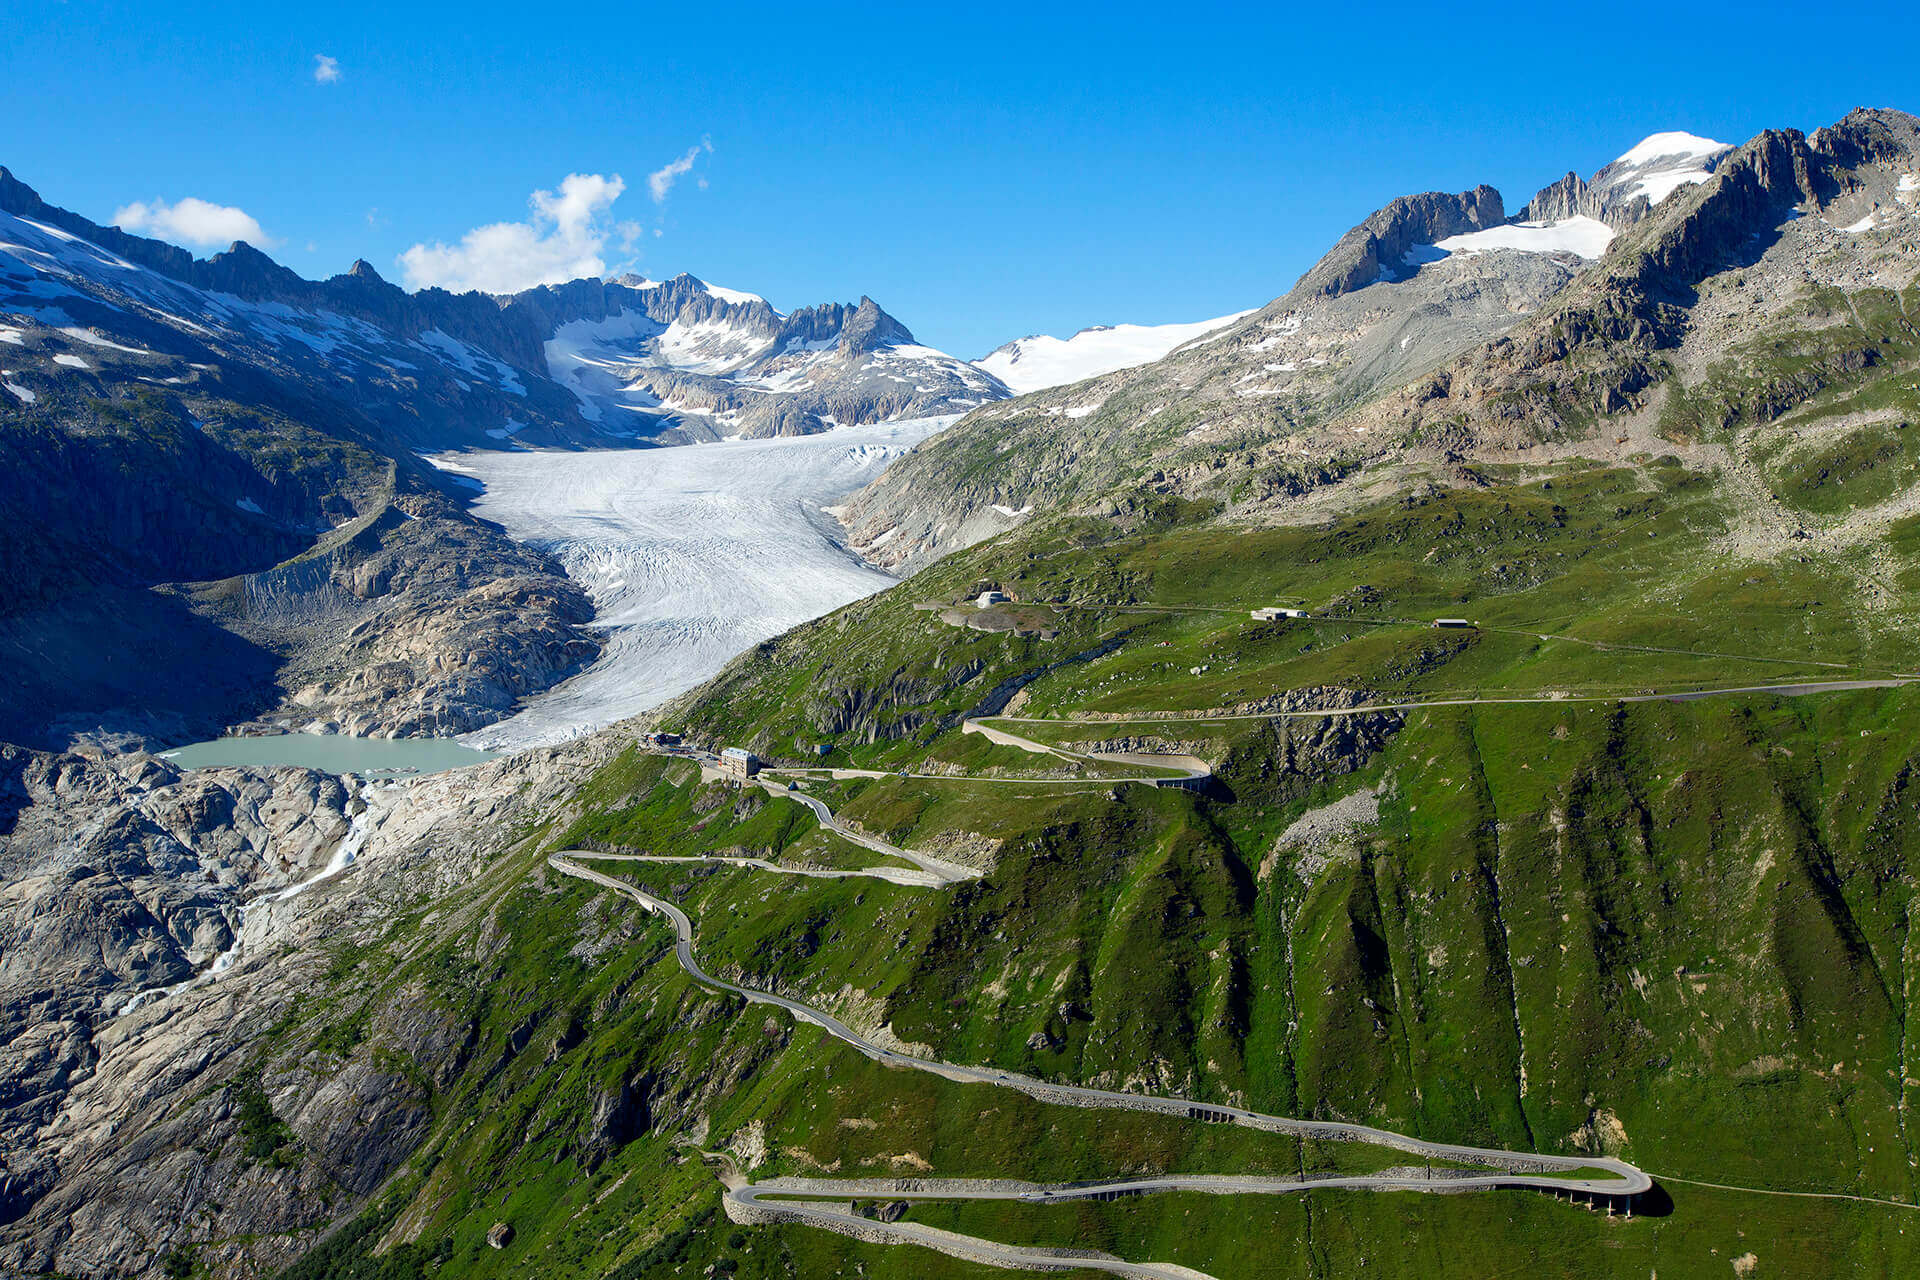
734 295
1036 363
1582 236
691 554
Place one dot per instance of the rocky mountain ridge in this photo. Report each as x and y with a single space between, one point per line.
676 359
1378 247
441 369
1364 317
1434 324
160 464
1769 213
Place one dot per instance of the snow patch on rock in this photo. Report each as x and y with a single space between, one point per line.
734 295
78 334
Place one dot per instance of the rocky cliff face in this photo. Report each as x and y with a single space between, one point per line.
157 935
413 620
1379 245
1767 216
123 876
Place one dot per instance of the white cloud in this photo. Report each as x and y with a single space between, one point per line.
194 222
564 239
326 70
661 180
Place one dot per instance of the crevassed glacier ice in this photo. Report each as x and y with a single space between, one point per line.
691 554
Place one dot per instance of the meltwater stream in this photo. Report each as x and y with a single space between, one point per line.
691 554
359 827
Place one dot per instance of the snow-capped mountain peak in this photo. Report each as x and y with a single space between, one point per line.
1626 188
1582 217
1671 146
1660 165
723 362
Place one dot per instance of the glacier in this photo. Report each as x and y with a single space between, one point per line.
691 554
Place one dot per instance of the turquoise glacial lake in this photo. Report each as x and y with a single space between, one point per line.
332 753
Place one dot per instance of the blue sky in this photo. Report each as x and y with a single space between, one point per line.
983 171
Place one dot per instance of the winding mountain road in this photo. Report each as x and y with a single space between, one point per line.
800 1200
1187 770
938 871
828 1203
1181 767
1177 768
1796 689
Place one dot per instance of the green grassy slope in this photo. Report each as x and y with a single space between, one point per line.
1685 922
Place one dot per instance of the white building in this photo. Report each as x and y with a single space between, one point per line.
739 762
990 598
1274 614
